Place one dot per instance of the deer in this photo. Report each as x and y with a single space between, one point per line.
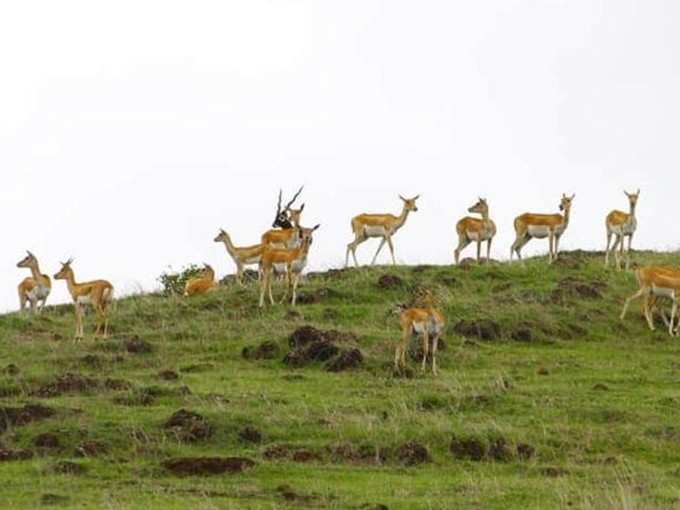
656 282
242 256
540 226
621 225
366 226
287 219
473 229
428 322
96 293
201 284
34 289
292 261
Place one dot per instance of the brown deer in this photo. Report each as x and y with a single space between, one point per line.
428 322
621 225
475 229
36 288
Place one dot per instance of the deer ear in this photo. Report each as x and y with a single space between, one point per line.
416 197
573 196
403 198
302 208
638 191
316 227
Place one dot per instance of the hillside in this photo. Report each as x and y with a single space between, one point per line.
544 399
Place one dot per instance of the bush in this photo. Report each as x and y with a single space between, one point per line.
174 283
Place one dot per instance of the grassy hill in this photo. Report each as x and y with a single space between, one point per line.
545 399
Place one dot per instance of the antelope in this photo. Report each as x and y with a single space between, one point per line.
292 261
656 282
384 226
97 293
288 219
201 284
242 256
540 226
621 225
427 322
34 289
473 229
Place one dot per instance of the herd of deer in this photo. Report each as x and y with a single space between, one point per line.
283 252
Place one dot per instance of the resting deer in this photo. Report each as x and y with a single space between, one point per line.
97 293
34 289
292 261
242 256
656 282
540 226
201 284
427 322
621 225
288 221
366 226
473 229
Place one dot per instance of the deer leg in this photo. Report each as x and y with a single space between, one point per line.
551 241
622 250
239 274
399 355
435 344
391 247
352 248
606 254
263 285
630 244
479 250
488 249
519 243
78 311
426 347
463 241
296 279
632 298
557 246
382 243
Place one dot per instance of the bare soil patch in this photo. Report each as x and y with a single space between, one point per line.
207 466
188 427
18 416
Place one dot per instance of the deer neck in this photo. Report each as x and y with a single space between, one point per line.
228 244
632 210
485 217
71 283
565 217
401 219
35 272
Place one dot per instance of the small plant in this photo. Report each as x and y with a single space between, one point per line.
173 282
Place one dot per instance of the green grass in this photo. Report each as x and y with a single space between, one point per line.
597 399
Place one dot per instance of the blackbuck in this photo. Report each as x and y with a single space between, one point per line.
384 226
241 255
34 289
201 284
540 226
97 293
428 322
476 230
656 282
285 232
291 261
621 225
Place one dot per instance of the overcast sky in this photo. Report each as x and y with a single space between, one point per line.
131 131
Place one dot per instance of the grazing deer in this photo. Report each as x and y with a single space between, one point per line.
242 256
97 293
288 221
201 284
473 229
427 322
656 282
540 226
366 226
292 261
621 225
34 289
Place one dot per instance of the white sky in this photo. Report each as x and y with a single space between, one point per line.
131 131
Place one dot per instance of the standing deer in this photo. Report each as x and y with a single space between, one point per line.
34 289
427 322
292 261
540 226
656 282
366 226
242 256
473 229
621 225
201 284
97 293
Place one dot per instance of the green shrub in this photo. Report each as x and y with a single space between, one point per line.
174 282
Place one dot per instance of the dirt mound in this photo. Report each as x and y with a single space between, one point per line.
317 296
91 449
17 416
117 384
289 494
13 455
11 369
522 334
295 453
304 456
483 329
53 500
250 435
47 441
575 288
525 451
347 360
413 454
188 426
168 375
136 345
390 281
66 467
266 350
364 453
67 383
497 449
92 361
206 466
554 472
309 334
468 449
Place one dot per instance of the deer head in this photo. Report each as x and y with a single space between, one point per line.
282 218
